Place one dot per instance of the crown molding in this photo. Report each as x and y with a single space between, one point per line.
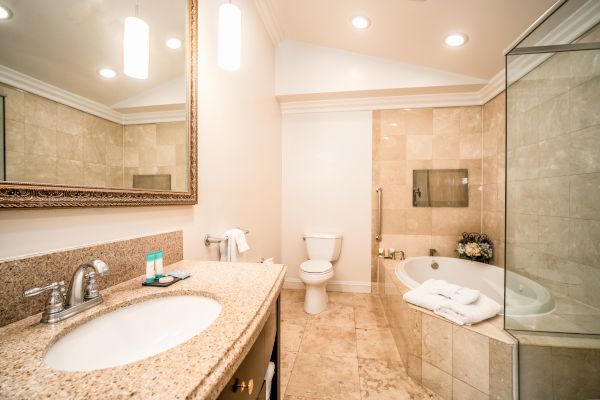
32 85
475 98
270 21
40 88
154 117
494 87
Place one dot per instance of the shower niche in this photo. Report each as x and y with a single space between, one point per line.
440 188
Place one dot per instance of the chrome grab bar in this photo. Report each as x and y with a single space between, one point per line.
378 236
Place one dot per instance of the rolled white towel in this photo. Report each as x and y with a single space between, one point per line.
457 293
423 298
269 379
466 296
467 314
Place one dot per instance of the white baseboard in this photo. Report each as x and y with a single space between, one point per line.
333 286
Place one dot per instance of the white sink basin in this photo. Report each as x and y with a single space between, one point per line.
133 333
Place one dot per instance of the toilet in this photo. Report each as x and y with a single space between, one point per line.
322 248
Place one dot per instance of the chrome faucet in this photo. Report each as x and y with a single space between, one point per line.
76 294
432 252
80 297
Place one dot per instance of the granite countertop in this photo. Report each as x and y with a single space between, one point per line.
196 369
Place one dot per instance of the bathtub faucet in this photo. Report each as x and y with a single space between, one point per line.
432 252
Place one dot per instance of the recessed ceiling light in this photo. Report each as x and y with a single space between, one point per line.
360 22
5 13
107 73
455 39
173 43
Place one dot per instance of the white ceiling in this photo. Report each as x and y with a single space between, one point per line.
412 31
64 42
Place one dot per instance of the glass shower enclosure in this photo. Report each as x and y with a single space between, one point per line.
553 203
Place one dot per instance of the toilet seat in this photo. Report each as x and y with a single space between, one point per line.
316 267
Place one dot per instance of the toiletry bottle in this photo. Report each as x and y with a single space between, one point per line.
150 268
158 264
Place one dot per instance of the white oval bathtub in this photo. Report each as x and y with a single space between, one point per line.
526 297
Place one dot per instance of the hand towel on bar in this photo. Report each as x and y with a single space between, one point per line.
236 242
223 250
457 293
467 314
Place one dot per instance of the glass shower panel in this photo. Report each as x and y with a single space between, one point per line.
553 192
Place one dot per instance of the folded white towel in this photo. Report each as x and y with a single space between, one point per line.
457 293
467 314
422 298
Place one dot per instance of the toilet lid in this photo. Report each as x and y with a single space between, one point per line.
316 266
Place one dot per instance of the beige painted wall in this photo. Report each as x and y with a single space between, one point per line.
326 184
239 168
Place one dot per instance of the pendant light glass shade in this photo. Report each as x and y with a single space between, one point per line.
136 48
230 37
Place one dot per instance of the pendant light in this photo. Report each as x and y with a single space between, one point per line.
230 37
136 47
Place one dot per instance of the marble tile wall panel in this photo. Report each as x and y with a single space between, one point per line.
454 137
553 220
48 142
156 149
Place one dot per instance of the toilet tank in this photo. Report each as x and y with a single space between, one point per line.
323 246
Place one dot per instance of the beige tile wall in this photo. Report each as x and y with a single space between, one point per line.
561 373
553 227
48 142
493 168
408 139
159 148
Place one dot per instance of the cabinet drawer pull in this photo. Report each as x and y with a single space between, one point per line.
244 385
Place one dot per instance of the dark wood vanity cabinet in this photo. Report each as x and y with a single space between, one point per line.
248 381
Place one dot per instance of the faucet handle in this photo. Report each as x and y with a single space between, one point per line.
56 300
91 288
54 286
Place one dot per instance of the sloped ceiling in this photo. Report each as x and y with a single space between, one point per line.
64 42
412 31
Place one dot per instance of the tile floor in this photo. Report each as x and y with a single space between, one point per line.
345 353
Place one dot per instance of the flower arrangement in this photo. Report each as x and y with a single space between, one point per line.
475 247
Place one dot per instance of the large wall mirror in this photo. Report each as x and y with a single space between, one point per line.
98 103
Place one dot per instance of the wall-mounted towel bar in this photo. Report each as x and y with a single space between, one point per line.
208 239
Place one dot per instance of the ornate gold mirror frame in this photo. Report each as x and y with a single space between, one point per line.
34 195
